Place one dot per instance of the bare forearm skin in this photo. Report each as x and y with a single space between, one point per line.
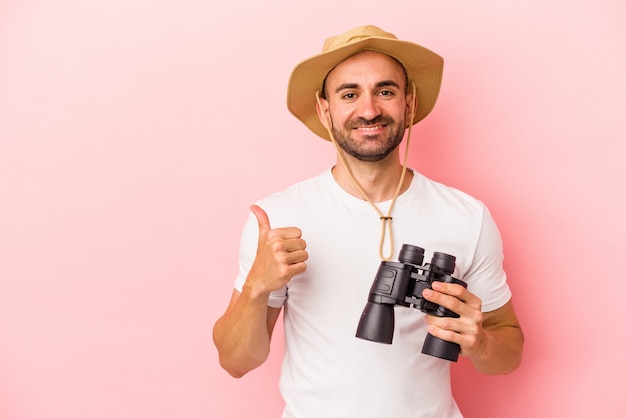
501 352
241 335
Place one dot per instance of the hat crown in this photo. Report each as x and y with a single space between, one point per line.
355 35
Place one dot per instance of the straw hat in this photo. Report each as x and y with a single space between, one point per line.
423 67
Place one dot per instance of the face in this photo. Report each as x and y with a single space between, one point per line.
367 103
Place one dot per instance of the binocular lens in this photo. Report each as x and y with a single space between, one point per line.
444 262
437 347
411 254
377 323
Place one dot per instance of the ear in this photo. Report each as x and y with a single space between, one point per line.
323 112
411 100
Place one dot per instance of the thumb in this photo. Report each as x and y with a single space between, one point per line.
262 218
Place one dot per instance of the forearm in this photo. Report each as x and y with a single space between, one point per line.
501 351
242 336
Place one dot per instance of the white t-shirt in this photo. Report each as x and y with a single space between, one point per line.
329 373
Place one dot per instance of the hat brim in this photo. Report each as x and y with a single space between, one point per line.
423 67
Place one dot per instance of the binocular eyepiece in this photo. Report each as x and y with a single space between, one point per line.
401 283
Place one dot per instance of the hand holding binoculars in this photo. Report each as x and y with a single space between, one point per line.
401 283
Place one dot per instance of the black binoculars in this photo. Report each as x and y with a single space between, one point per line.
401 283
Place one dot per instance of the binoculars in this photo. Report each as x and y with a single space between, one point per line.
401 283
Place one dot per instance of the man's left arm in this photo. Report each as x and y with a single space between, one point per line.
493 341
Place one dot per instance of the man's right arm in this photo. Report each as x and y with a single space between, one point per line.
242 335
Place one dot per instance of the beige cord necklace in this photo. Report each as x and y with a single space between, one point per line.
386 219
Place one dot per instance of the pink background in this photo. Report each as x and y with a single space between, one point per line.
134 135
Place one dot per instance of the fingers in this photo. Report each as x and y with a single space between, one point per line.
281 253
455 298
464 330
451 296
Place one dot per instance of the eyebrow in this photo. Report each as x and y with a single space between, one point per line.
383 83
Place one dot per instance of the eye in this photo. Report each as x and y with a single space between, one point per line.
386 93
349 96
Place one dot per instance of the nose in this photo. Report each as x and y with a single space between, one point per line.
368 107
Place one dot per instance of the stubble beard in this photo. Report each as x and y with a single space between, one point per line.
361 149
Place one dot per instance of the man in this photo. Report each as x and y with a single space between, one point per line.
315 248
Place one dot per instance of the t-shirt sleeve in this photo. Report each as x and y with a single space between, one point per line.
247 252
486 277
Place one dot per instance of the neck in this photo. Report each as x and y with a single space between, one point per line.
379 180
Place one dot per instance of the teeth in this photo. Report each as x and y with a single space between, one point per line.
369 128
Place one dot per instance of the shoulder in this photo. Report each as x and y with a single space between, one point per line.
308 189
447 197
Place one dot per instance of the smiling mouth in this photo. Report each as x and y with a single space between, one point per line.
369 128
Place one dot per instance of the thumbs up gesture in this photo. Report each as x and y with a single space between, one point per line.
281 254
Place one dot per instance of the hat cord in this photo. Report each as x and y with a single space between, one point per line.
386 220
